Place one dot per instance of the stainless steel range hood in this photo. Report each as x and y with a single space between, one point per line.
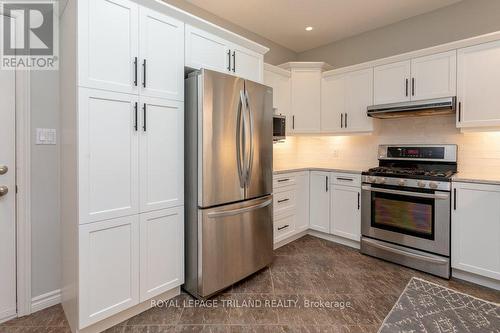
429 107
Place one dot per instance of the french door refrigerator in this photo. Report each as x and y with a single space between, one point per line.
228 197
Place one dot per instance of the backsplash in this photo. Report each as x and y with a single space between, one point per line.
477 152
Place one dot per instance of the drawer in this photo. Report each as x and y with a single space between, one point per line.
283 180
284 200
346 179
284 226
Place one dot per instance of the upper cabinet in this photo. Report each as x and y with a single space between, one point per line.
205 50
344 99
426 77
478 79
280 80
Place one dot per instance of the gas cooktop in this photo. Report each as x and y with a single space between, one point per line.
441 174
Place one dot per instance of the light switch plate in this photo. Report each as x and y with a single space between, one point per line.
46 136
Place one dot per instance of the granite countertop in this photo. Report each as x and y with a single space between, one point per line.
478 177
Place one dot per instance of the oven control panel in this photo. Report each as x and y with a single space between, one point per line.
408 182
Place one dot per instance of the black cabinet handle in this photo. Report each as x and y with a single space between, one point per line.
144 73
283 227
359 200
345 120
413 86
283 200
341 120
144 115
326 184
406 88
345 179
293 122
135 71
459 111
135 111
283 180
454 199
229 60
234 61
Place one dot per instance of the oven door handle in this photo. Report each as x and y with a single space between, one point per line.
440 196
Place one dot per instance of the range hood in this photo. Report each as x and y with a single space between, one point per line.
429 107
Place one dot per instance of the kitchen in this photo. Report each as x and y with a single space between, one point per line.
331 189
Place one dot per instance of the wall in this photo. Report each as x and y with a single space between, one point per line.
277 54
464 19
477 152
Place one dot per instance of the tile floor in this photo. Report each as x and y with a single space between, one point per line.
359 290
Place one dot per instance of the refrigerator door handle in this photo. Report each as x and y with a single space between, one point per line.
251 131
240 145
239 210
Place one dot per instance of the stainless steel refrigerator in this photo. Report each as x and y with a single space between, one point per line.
229 165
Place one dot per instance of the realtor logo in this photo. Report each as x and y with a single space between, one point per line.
30 39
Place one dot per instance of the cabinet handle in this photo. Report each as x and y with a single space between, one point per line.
454 199
144 73
459 111
229 60
341 120
283 180
283 227
413 86
144 115
293 122
135 111
135 71
326 184
406 87
283 200
234 61
345 120
345 179
359 200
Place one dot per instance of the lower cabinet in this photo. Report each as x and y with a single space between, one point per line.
475 229
284 225
345 214
319 202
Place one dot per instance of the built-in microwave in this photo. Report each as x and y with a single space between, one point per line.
279 127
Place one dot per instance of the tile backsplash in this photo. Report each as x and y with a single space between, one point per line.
477 151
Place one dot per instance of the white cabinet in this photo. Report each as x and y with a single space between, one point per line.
392 83
205 50
319 203
108 155
162 55
108 268
345 215
306 100
161 251
279 79
109 50
475 229
302 201
478 79
161 154
344 99
434 76
426 77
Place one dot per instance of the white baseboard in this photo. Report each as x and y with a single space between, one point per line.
474 278
46 300
335 239
7 315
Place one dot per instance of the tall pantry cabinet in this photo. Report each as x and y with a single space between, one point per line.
122 181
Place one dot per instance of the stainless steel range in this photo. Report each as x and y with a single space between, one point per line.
406 206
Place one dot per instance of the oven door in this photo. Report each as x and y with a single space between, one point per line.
416 218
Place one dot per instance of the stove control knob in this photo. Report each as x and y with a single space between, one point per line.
401 182
421 183
381 180
433 185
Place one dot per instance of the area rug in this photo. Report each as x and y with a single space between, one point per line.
426 307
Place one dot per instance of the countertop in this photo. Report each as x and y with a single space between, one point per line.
334 167
492 178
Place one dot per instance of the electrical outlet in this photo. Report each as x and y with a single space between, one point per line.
335 153
46 136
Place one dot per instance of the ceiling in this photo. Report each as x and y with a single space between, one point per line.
284 21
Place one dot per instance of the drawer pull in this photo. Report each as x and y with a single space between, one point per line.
345 179
283 227
283 180
283 200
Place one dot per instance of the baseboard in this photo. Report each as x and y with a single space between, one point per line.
7 315
46 300
476 279
290 239
334 238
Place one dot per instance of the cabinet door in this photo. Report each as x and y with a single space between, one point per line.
319 217
306 101
345 212
107 51
475 229
302 202
109 268
108 155
162 55
161 251
281 84
247 64
392 83
358 96
434 76
161 154
478 79
204 50
284 225
333 103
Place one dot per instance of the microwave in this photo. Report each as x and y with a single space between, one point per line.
279 127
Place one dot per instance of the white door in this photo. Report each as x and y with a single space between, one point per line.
161 154
108 156
358 96
306 100
7 196
391 83
247 64
162 55
478 79
319 215
108 34
204 50
346 212
281 84
109 268
302 202
475 229
333 103
161 251
434 76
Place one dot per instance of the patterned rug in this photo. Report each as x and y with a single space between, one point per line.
426 307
